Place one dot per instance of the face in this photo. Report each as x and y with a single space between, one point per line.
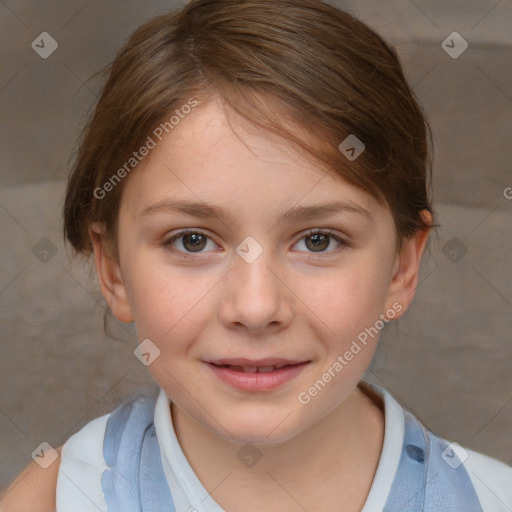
256 291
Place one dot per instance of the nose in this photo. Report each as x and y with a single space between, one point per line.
256 297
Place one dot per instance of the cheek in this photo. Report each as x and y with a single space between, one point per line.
344 309
172 310
347 300
170 305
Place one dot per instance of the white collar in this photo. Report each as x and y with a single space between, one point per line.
394 427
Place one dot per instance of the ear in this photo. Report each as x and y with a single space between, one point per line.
406 269
110 279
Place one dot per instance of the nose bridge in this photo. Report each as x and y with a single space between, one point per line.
256 297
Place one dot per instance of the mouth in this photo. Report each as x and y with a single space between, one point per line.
256 375
253 369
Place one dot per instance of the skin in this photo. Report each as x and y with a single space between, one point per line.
33 489
291 302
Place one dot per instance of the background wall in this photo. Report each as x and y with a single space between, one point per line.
449 359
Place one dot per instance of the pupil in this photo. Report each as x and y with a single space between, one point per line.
195 240
319 241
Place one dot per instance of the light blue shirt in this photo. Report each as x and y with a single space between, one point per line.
79 486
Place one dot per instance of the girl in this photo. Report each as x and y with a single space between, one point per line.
254 185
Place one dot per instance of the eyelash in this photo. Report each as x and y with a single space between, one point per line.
343 244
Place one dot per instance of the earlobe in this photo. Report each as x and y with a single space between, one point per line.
110 279
405 276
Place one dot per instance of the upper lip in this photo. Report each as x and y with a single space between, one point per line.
267 361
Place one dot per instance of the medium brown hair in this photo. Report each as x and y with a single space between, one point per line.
289 66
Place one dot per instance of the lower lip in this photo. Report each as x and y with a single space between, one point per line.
257 381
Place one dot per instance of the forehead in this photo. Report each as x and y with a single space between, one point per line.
208 157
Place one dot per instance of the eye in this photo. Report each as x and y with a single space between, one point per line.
190 240
193 241
317 241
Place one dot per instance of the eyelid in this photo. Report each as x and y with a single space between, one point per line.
342 240
168 240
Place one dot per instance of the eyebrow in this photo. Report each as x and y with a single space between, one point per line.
206 210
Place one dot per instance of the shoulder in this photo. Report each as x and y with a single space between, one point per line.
33 489
492 480
81 468
75 474
469 472
73 481
87 444
488 478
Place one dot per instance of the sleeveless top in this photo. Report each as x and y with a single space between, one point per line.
428 474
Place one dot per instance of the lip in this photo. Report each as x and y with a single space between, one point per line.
256 382
267 361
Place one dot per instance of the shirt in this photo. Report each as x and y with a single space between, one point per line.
82 465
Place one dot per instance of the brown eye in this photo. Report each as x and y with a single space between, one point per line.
194 242
188 242
320 241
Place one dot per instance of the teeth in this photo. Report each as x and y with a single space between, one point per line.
254 369
266 369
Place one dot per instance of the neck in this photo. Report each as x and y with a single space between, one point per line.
340 453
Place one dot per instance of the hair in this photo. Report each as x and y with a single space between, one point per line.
301 69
